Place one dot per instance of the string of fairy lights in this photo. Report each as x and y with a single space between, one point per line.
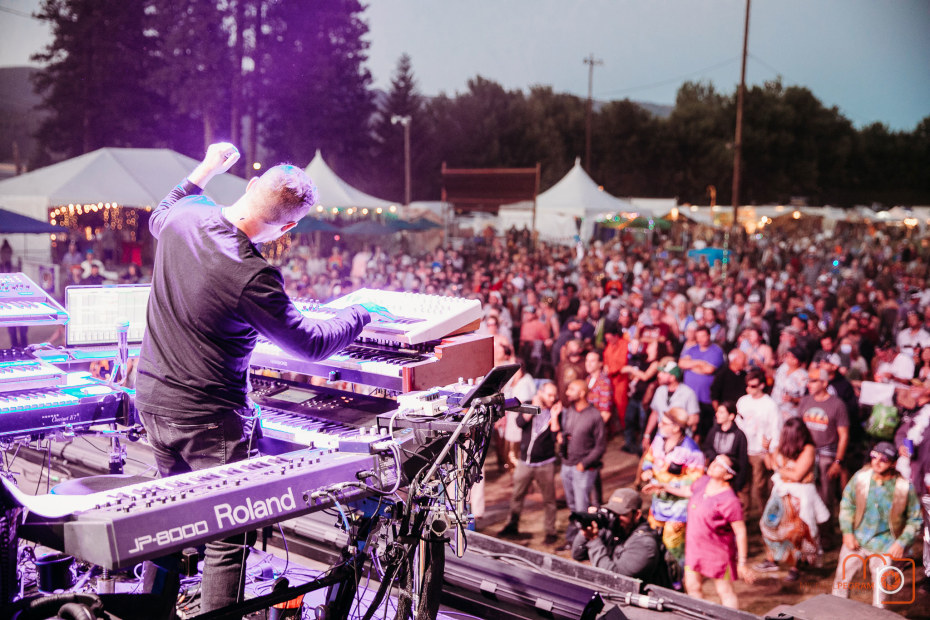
113 215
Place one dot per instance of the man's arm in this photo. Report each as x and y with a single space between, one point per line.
836 468
633 559
219 158
265 305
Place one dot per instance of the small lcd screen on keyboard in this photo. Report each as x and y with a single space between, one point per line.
294 396
96 310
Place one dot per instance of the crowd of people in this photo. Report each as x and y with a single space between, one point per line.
751 390
787 385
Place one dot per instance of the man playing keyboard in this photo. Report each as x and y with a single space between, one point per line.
212 295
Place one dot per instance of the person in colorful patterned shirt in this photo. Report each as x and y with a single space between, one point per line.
879 518
673 461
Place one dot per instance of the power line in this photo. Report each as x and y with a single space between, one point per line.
671 80
766 65
6 9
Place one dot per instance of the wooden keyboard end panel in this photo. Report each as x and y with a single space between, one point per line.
469 357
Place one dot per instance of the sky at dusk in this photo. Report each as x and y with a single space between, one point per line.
869 58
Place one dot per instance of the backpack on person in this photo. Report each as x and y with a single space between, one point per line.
668 573
883 422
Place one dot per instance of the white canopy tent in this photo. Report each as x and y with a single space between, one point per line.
137 178
128 177
336 193
576 195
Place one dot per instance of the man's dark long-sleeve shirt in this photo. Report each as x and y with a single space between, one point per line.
212 295
587 439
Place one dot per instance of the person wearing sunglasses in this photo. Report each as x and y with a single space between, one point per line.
716 544
879 516
826 418
758 417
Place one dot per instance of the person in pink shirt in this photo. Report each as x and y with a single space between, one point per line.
716 545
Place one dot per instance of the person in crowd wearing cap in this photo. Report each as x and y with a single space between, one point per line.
716 545
725 437
699 364
583 441
825 417
790 521
790 383
627 546
730 379
670 393
879 516
673 461
536 463
616 357
758 417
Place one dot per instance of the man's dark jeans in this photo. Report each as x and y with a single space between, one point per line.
188 444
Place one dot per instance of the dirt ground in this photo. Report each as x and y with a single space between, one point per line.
769 591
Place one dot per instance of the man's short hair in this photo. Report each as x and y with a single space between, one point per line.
285 194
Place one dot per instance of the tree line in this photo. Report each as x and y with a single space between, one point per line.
286 78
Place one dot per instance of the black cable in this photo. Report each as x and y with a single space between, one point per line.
48 453
432 579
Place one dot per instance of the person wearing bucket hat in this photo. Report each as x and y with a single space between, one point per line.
879 514
627 545
672 462
670 393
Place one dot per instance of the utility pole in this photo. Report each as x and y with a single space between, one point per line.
738 140
591 62
405 121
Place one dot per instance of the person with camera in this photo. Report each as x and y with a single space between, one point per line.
618 538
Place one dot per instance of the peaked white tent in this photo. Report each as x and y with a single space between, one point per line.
136 178
576 195
127 177
336 193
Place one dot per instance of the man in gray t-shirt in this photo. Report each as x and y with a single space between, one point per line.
825 417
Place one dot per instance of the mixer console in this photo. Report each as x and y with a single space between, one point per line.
123 526
23 302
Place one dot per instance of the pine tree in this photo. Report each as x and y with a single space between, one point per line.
314 85
90 102
402 100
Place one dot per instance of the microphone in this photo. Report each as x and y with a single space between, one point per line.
122 350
